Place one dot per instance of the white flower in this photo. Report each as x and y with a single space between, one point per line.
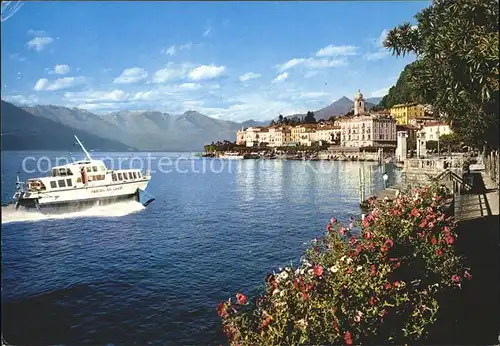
334 269
359 268
276 291
302 323
349 260
342 258
310 271
282 276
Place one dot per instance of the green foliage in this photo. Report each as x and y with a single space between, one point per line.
457 66
309 118
402 92
378 281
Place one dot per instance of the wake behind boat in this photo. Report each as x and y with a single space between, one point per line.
80 185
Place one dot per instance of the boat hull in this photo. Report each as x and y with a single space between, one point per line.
80 199
73 206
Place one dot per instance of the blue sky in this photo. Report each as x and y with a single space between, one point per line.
230 60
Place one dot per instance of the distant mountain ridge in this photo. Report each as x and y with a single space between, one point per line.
339 107
143 130
22 130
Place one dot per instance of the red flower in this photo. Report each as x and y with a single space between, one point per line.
423 224
387 286
449 239
387 245
305 295
318 270
434 241
336 327
328 227
467 275
373 301
367 235
342 231
358 249
414 212
349 270
396 284
439 252
348 338
267 321
352 241
241 298
296 284
221 310
456 278
374 270
333 220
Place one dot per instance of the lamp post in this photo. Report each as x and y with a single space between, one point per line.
437 133
385 177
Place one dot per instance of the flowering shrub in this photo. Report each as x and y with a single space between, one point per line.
377 280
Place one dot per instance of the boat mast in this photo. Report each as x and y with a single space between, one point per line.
83 148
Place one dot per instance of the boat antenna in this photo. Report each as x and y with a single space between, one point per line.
83 148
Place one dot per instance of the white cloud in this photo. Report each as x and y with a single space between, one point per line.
280 78
44 84
335 51
131 75
172 50
249 76
170 73
38 43
96 96
206 72
60 69
378 43
207 32
313 95
376 55
190 86
41 84
17 57
312 63
32 32
380 92
291 63
21 99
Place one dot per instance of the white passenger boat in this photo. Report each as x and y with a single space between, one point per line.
80 185
231 156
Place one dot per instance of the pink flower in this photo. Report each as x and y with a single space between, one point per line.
434 241
374 270
449 239
414 212
467 275
439 252
333 220
328 227
342 231
318 270
456 278
373 301
348 338
241 298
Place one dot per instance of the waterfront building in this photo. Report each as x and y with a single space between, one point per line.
412 134
368 130
404 112
401 148
241 137
252 136
421 121
432 131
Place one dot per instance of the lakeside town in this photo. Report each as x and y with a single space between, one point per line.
409 129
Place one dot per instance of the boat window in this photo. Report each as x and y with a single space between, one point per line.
139 175
62 171
53 184
69 182
61 183
113 176
68 171
54 173
130 175
120 177
125 175
89 169
135 175
94 168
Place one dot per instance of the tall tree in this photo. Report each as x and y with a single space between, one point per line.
280 119
457 66
309 118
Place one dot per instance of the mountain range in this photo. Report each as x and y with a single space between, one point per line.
45 127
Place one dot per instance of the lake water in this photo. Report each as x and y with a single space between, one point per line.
125 274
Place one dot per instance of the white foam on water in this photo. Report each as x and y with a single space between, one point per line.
10 214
